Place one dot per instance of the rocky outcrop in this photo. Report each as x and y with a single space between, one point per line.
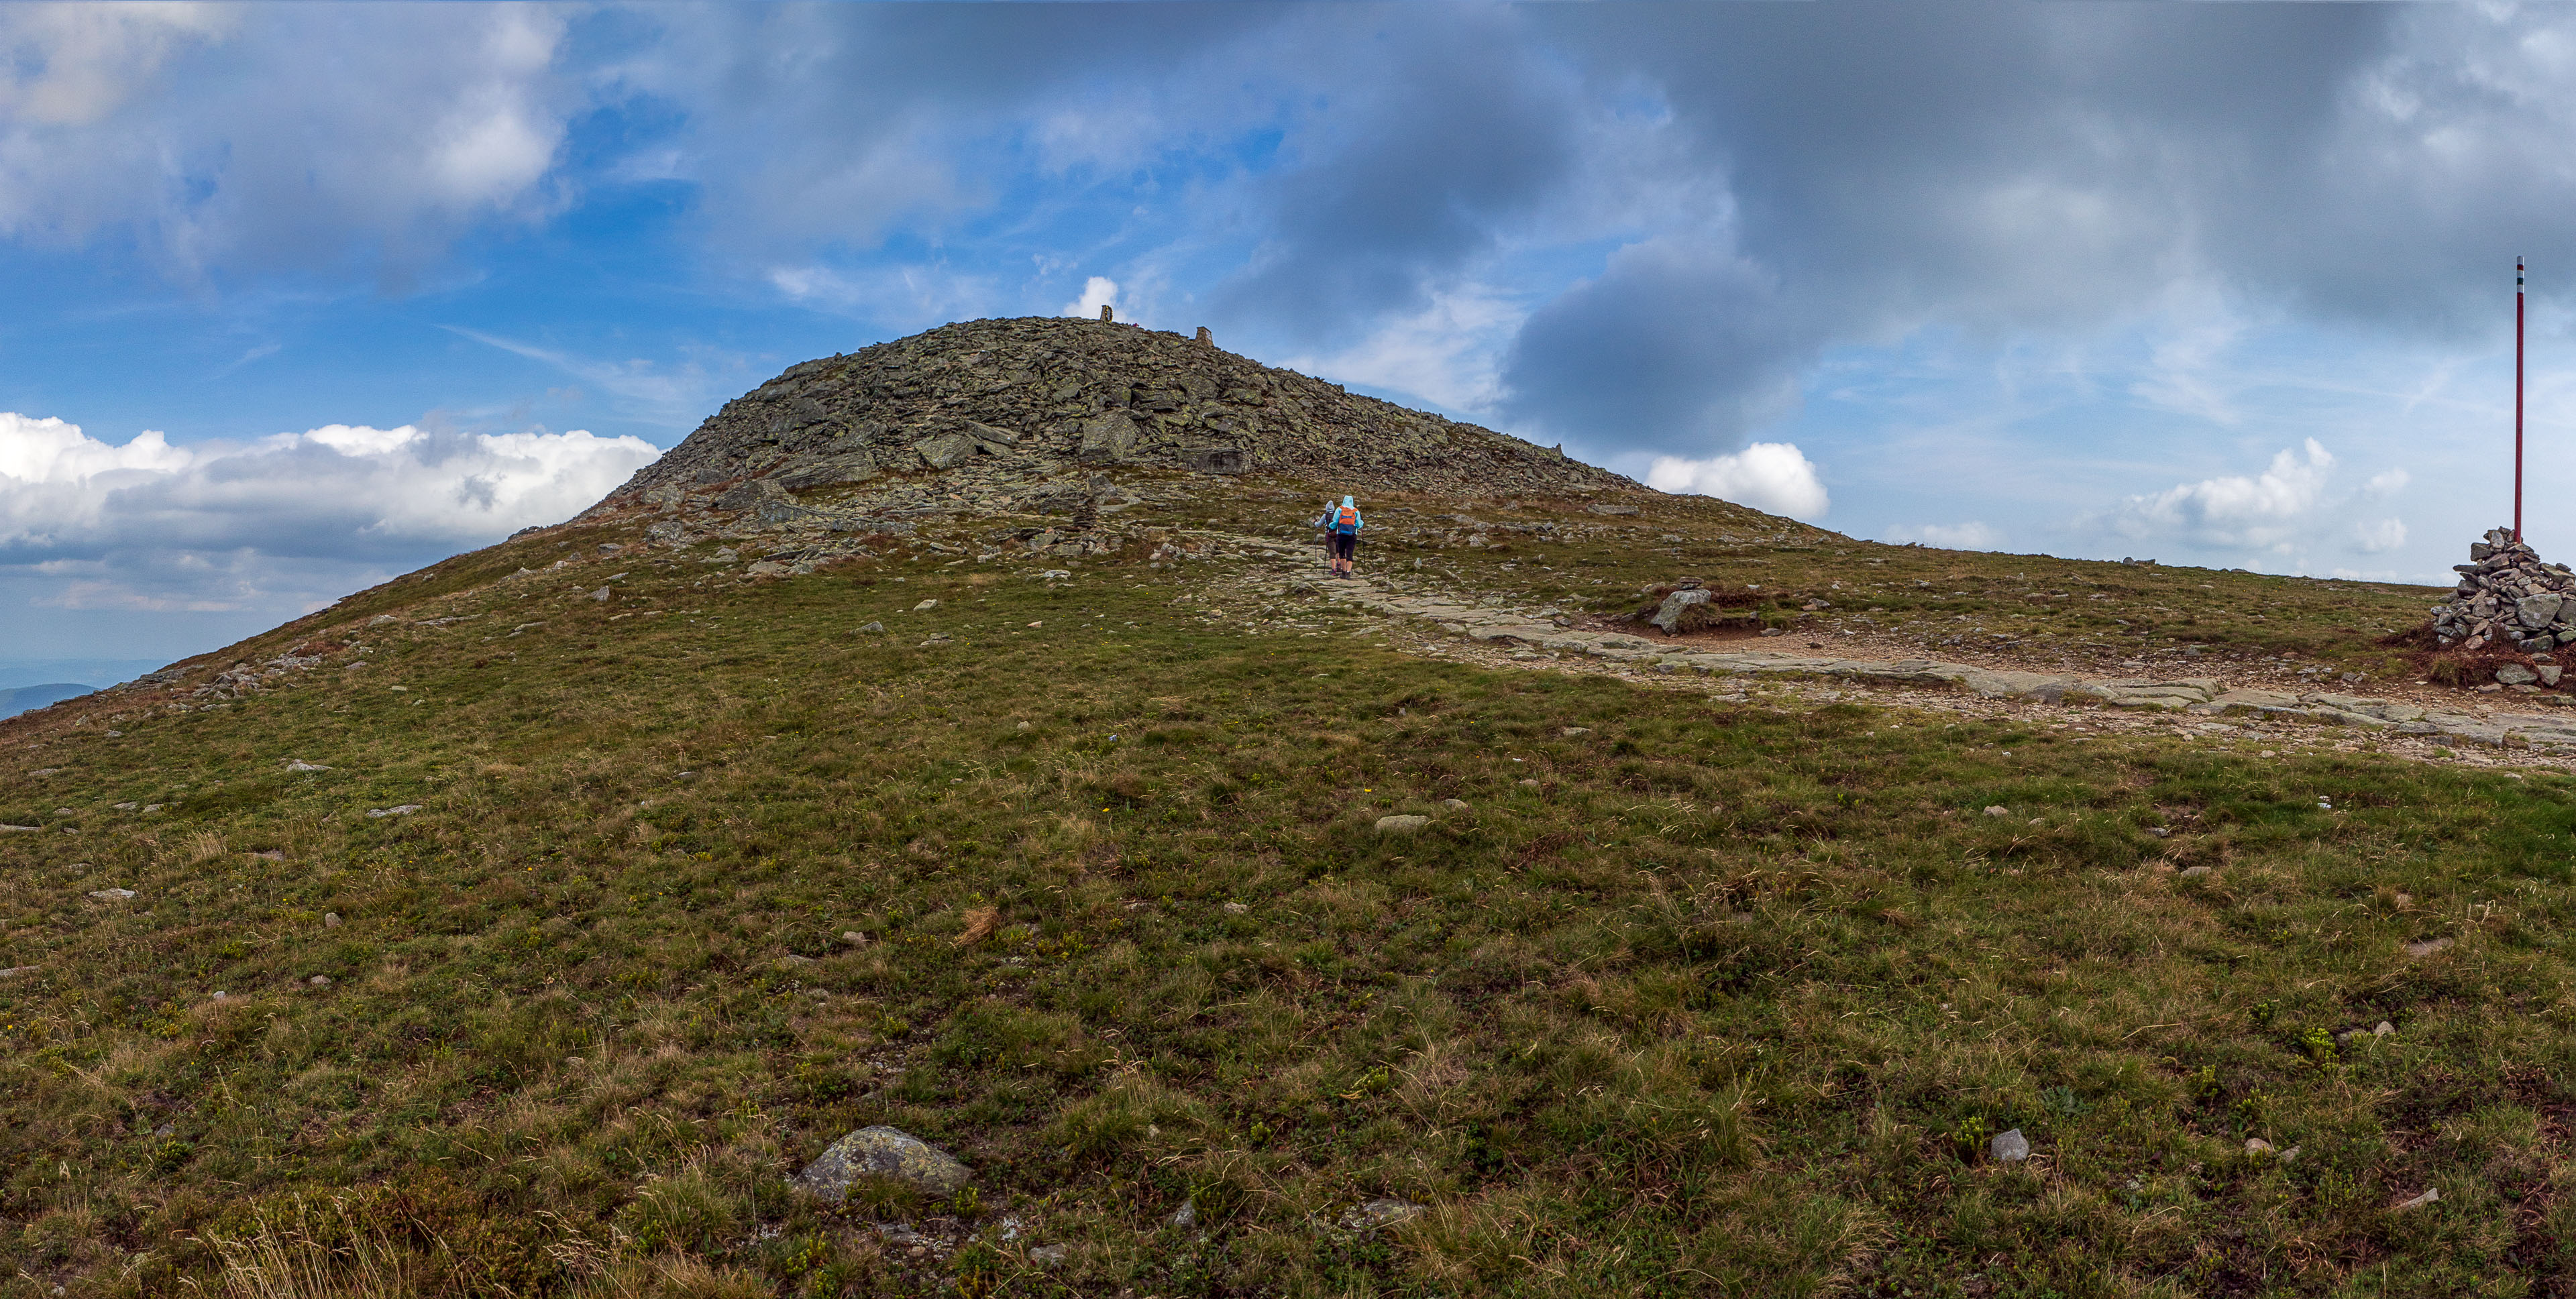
2507 599
1022 400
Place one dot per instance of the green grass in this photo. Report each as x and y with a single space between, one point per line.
1728 1001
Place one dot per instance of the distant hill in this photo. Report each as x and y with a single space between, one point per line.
1022 400
19 699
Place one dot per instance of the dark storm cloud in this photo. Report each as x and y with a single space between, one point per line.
1995 167
1446 129
830 124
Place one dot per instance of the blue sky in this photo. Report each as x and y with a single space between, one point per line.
306 296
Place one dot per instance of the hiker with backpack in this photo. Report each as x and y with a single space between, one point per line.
1341 525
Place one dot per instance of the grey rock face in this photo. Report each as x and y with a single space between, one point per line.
1669 615
2540 609
2009 1147
947 451
825 471
883 1152
2515 674
1109 435
749 495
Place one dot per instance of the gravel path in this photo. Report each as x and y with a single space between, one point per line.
2200 708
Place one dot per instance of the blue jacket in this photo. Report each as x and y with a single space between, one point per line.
1333 512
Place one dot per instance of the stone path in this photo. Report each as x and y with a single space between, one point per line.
1539 630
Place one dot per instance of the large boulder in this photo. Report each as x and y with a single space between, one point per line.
1668 616
824 471
1109 435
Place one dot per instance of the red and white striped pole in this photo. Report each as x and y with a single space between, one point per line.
2517 399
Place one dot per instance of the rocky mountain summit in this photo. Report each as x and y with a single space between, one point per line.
1034 408
2507 599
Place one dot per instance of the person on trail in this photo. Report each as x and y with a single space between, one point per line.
1341 525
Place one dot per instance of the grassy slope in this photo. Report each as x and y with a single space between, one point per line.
1727 1002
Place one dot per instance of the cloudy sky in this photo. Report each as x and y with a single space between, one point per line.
305 296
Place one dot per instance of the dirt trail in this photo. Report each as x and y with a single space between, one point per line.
1496 632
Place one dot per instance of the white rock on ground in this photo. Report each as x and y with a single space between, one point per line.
2009 1147
883 1152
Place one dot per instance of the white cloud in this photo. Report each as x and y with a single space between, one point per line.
668 395
2380 536
72 64
1971 535
1097 292
2387 482
147 525
2263 511
1770 476
288 137
1448 353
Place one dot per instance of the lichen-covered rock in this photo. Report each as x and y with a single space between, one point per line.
883 1152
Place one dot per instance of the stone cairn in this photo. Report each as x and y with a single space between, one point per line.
2507 599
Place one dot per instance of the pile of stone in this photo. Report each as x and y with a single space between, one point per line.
2507 600
1018 405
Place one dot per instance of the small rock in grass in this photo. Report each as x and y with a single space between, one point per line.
1048 1255
873 627
330 920
1529 784
2009 1147
2385 1029
1406 824
1572 731
380 813
2428 947
2431 1195
127 807
65 811
112 895
320 981
300 764
1236 908
15 970
1186 1217
1998 811
270 854
1382 1212
2258 1146
883 1152
2197 872
925 606
1456 804
854 938
2158 831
